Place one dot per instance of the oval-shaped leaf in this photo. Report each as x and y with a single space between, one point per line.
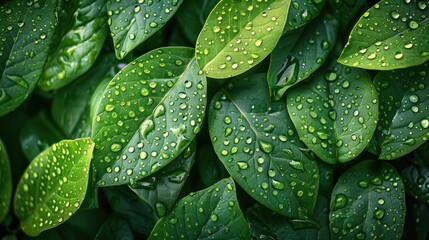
160 190
131 22
5 182
212 213
238 35
368 202
390 35
148 114
404 105
256 141
26 32
336 113
302 12
300 53
79 47
53 186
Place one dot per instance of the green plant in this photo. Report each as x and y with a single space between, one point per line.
106 106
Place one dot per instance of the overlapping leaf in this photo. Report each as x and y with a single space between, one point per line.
115 228
302 12
148 114
256 141
416 181
5 182
346 11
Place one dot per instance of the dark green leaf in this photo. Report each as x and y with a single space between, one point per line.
26 32
131 22
419 220
416 181
390 35
256 141
79 47
336 113
346 10
300 53
210 168
302 12
368 202
157 103
161 189
231 43
115 228
5 182
404 105
53 186
212 213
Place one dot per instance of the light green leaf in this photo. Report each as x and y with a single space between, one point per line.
132 22
302 12
336 113
148 114
256 141
368 202
5 182
53 186
212 213
232 42
79 47
26 32
404 104
298 54
390 35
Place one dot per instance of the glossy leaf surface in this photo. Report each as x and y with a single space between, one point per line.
232 42
336 113
256 141
5 182
302 12
157 104
53 186
212 213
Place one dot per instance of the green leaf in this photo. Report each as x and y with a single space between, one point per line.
5 182
300 53
231 43
404 104
26 34
212 213
368 201
157 103
131 22
53 186
79 47
256 141
390 35
302 12
336 113
416 181
210 169
115 228
161 189
346 10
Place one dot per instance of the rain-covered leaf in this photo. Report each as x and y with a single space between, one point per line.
115 228
79 47
416 181
5 182
256 141
148 114
298 54
368 202
39 134
53 186
391 34
232 42
212 213
404 106
26 32
210 169
336 113
132 22
160 190
346 10
302 12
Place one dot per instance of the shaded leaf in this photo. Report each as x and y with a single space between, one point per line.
5 182
210 168
346 10
212 213
302 12
416 181
231 43
115 228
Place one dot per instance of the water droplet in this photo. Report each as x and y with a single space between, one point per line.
399 55
160 209
146 127
242 165
413 24
340 201
265 146
216 29
277 185
132 36
414 98
153 24
213 217
363 184
379 213
109 107
394 15
258 42
424 123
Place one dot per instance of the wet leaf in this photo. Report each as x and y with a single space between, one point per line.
53 186
212 213
131 22
232 42
161 189
256 141
416 181
79 47
157 105
5 182
336 113
300 53
23 51
390 35
368 202
115 228
302 12
404 105
346 10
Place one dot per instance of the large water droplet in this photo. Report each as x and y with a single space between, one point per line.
340 201
265 146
